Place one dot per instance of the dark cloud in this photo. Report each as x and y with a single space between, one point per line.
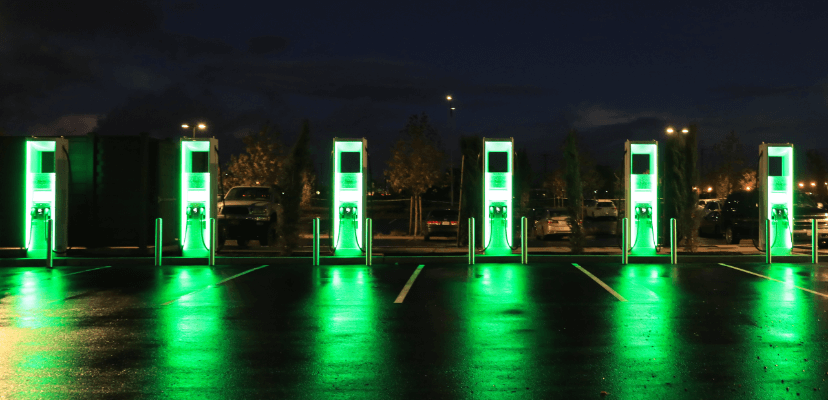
179 46
32 69
83 17
266 44
746 91
379 80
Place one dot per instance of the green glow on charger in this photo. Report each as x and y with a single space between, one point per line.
349 196
40 202
777 195
641 168
497 196
195 198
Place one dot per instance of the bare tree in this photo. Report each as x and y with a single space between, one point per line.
262 161
748 179
415 164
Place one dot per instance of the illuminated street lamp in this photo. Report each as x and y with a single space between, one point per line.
199 126
813 184
670 130
451 108
709 189
801 184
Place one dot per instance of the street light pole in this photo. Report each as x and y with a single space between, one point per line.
199 126
451 155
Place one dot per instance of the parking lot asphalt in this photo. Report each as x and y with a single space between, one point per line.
553 330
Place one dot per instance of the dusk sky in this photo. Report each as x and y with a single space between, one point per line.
530 71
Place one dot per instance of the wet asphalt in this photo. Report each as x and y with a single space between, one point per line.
695 331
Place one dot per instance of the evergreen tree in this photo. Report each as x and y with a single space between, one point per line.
294 178
574 193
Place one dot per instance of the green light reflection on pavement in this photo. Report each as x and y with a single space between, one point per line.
192 335
37 353
644 342
500 322
787 320
348 344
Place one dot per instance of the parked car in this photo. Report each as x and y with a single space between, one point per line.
550 222
601 208
587 204
441 223
711 205
739 218
806 208
247 213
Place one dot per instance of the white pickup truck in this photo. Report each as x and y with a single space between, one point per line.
249 213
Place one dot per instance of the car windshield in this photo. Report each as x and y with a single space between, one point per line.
605 204
444 214
803 200
248 194
556 213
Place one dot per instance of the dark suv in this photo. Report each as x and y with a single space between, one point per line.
739 218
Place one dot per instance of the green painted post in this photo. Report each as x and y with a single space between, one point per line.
369 239
524 241
49 224
212 256
315 243
471 241
159 246
768 259
814 242
673 244
624 245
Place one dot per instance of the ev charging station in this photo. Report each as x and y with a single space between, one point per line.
641 196
199 188
498 170
47 188
776 199
350 180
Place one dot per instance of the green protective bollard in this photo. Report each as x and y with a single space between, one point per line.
673 240
524 241
471 241
768 255
814 242
49 224
315 243
369 238
159 248
624 239
212 256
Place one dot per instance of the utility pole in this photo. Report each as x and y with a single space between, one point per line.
451 171
453 126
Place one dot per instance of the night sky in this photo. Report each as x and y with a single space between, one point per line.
529 71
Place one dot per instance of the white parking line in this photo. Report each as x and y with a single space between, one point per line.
600 282
777 280
87 270
213 285
407 287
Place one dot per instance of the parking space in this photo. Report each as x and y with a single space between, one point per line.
484 331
